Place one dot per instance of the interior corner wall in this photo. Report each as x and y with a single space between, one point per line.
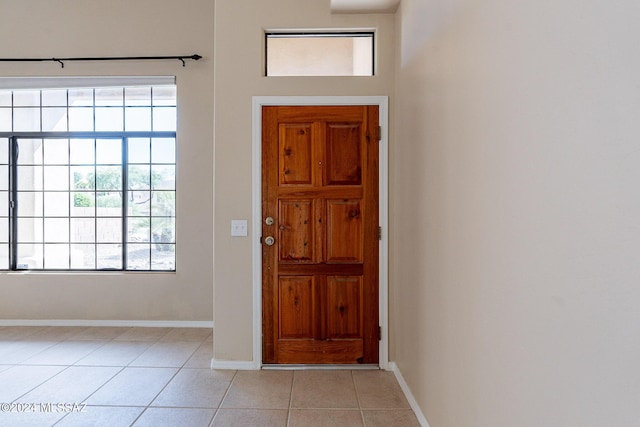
515 206
71 28
239 75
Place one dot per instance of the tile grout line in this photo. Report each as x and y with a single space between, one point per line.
54 343
146 407
107 341
293 380
66 340
74 364
355 387
224 396
40 384
99 388
58 342
122 368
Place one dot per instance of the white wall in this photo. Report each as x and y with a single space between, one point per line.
67 28
515 212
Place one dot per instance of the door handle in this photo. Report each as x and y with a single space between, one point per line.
269 241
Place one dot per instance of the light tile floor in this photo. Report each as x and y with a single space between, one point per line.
77 376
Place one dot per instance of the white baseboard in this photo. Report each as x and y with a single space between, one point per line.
234 365
407 392
111 323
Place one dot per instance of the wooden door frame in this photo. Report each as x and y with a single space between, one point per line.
383 202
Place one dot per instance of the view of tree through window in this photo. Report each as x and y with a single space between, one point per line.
88 179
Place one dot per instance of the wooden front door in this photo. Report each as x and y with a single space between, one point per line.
320 235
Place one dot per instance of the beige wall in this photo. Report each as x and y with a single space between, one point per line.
239 75
43 28
515 205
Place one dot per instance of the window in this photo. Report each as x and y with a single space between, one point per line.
319 54
88 178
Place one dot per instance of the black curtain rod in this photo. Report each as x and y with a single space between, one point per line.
61 61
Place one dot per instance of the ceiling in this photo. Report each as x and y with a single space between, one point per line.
364 6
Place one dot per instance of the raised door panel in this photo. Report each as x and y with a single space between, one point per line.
344 307
343 154
296 299
344 231
295 154
295 231
321 351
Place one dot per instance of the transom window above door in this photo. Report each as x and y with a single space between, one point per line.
319 53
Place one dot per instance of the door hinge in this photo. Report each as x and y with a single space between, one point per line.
379 333
379 233
379 136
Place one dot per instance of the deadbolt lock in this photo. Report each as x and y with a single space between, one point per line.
269 220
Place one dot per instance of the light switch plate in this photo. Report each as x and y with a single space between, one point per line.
239 228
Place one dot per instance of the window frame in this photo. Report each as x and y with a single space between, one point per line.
320 34
12 215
